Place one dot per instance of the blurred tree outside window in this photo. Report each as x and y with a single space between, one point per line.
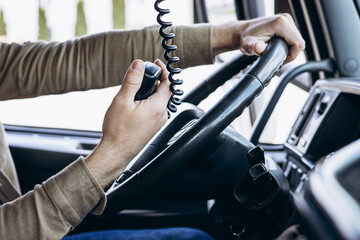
2 24
44 31
118 13
80 27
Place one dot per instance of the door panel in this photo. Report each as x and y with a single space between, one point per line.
40 153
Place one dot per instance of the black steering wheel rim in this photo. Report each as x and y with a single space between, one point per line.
206 128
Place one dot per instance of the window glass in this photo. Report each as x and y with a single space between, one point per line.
221 10
280 122
60 20
284 115
289 105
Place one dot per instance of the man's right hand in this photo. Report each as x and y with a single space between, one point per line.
128 124
251 36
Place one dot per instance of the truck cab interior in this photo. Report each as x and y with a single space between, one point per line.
200 172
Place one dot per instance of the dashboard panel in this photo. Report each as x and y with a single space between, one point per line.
329 120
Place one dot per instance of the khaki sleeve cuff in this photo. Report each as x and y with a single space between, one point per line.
76 192
194 45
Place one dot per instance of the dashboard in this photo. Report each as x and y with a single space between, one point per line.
328 121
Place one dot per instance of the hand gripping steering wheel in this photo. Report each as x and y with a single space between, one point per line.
166 154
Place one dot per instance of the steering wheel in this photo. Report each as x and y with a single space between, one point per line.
193 130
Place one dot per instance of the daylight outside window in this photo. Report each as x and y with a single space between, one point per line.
61 20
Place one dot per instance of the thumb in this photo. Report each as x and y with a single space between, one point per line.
259 47
253 47
132 80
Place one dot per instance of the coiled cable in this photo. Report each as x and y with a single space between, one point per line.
174 100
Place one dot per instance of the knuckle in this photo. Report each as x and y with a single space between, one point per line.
166 72
286 15
168 84
133 80
281 20
302 44
297 45
247 47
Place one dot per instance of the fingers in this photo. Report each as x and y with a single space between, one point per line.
291 21
163 90
285 28
165 72
160 98
132 80
258 31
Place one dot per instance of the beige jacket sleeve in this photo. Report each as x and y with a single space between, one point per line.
96 61
32 69
54 208
9 183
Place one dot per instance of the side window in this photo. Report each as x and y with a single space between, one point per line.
59 20
292 100
289 105
284 115
221 10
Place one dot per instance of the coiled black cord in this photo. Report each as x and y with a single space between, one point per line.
174 100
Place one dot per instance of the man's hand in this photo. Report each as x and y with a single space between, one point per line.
251 36
128 124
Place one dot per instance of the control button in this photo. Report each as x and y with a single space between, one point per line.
293 138
351 65
304 178
321 107
294 176
302 142
255 156
287 169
